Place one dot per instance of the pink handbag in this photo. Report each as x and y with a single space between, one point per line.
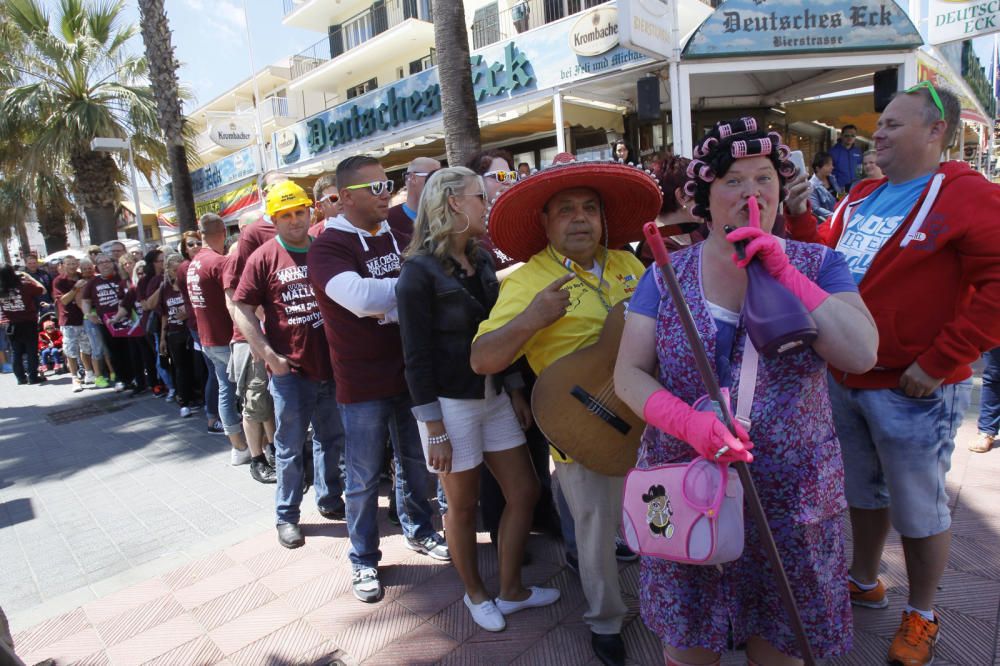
691 513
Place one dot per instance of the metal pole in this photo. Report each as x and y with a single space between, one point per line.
140 231
558 117
261 160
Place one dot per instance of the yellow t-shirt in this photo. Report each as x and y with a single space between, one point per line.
584 318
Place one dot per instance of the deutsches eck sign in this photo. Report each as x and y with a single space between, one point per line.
954 20
779 27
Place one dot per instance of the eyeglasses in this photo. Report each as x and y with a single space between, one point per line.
330 199
502 176
481 195
933 92
425 174
376 187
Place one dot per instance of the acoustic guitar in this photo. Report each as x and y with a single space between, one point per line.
576 408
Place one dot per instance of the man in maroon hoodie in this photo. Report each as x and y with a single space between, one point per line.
925 252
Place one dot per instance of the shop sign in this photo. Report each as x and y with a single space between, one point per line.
229 169
940 74
595 32
780 27
500 71
231 133
647 27
954 20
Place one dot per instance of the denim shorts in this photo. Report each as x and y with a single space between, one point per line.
93 332
75 341
897 451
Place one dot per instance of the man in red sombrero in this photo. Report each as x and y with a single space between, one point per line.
562 222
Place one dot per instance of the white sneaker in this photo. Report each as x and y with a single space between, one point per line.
171 393
185 412
238 457
77 386
88 377
540 596
486 615
119 387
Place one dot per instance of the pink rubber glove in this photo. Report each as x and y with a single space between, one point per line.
702 430
768 250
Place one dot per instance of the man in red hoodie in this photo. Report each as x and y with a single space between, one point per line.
925 252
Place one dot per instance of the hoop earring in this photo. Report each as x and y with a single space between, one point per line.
468 223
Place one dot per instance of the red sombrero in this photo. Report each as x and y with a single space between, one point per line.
631 197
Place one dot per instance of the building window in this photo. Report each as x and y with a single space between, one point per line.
400 73
486 26
426 62
362 88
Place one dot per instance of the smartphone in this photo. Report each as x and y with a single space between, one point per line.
795 157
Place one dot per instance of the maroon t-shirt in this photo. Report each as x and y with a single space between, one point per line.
71 314
399 220
278 280
208 300
105 294
500 260
182 278
18 306
252 237
367 356
143 290
172 301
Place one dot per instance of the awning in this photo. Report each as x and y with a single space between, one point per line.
836 112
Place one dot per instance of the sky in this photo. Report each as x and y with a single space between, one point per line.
210 41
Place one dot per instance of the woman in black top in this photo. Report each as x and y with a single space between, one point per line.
446 288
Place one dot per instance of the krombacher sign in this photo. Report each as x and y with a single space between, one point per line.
775 27
386 109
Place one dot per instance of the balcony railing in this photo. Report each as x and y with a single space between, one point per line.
292 5
275 108
357 30
491 25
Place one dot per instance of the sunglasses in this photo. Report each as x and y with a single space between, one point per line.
376 187
330 199
193 243
425 174
481 195
933 92
502 176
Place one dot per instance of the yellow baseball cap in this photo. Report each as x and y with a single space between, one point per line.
284 195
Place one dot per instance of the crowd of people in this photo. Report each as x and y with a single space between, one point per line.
350 335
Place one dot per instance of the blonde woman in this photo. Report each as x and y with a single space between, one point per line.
446 287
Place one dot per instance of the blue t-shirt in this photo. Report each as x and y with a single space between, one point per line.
875 220
834 277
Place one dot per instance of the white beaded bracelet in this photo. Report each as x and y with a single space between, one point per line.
437 439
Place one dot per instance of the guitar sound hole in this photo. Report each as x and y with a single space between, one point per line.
599 409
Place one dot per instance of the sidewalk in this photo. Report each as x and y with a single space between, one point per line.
126 538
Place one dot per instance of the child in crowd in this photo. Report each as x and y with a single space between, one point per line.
50 347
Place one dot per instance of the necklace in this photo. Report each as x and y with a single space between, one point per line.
567 263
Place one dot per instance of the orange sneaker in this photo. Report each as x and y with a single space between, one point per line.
873 598
914 641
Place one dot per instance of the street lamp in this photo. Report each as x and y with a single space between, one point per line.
110 144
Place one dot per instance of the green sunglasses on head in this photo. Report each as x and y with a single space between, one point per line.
933 92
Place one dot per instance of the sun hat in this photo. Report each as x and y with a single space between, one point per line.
284 195
630 197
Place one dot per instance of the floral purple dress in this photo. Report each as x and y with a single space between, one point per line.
799 475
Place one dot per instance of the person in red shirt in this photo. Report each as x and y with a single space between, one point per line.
50 343
18 292
293 346
925 253
215 326
327 204
76 344
204 371
175 339
101 298
353 267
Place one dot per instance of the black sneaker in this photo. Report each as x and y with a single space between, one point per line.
334 514
216 429
290 536
622 552
262 472
366 585
269 454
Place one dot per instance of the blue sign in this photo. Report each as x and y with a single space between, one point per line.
541 59
781 27
230 169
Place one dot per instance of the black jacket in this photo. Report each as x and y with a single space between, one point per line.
438 319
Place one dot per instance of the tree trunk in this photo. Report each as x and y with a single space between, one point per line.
458 106
52 224
95 183
22 236
163 78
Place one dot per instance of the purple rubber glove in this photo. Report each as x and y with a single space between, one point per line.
702 430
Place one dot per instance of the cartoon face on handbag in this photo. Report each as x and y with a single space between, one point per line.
658 511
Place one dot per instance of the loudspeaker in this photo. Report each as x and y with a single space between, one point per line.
648 98
885 82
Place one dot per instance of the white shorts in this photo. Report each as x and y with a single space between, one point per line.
475 426
75 341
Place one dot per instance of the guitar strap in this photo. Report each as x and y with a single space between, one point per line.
748 383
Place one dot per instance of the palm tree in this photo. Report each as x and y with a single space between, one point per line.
458 106
163 75
77 82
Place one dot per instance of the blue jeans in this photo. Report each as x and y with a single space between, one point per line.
297 402
231 421
897 452
366 425
989 399
211 392
161 372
